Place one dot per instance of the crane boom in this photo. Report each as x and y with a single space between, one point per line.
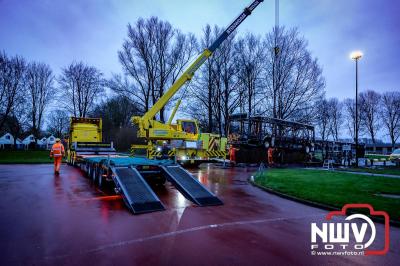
144 121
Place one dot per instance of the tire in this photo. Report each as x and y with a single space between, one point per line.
100 179
73 163
89 171
94 173
69 159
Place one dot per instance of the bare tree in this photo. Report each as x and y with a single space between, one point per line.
116 113
293 78
152 56
227 70
349 106
15 124
202 89
39 82
323 118
336 117
58 122
214 92
370 103
223 85
390 115
257 77
81 85
249 60
11 85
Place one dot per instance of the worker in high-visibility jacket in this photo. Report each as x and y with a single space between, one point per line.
57 152
232 154
270 153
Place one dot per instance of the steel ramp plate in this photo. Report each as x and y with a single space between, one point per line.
137 194
190 187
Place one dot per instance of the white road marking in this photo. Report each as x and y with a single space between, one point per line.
180 232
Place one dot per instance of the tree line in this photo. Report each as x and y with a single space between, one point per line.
28 89
273 75
378 115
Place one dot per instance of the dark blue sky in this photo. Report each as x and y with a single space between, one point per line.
60 31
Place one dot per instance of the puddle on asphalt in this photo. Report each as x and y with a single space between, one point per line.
392 196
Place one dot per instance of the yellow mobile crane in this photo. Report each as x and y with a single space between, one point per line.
184 139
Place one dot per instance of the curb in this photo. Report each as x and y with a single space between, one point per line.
316 204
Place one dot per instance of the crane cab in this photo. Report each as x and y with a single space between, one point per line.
188 126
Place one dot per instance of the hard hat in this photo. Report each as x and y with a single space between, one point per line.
58 140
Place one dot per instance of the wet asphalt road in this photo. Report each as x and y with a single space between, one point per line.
65 220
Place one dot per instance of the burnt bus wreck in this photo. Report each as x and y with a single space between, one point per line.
252 136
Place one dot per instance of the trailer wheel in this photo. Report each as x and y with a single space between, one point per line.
69 159
96 174
93 173
73 163
89 171
100 179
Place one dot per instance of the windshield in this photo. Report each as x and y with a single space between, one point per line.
189 127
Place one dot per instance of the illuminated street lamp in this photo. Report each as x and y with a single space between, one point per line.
356 55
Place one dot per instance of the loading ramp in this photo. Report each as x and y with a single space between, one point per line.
135 191
190 187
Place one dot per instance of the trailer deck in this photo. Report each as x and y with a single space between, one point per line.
131 176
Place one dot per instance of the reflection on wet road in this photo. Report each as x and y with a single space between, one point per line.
67 220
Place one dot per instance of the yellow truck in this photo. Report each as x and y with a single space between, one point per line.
85 140
182 141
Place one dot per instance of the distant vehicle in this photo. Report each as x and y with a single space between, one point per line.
395 156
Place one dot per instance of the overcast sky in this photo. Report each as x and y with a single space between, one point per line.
60 31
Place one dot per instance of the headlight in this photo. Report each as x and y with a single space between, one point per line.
183 158
158 148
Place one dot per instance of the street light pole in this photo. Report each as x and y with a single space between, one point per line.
356 56
356 133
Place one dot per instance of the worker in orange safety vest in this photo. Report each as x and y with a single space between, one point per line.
57 152
271 156
232 154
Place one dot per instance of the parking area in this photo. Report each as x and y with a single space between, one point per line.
59 220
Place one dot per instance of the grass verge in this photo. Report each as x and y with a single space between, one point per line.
388 170
333 188
24 157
